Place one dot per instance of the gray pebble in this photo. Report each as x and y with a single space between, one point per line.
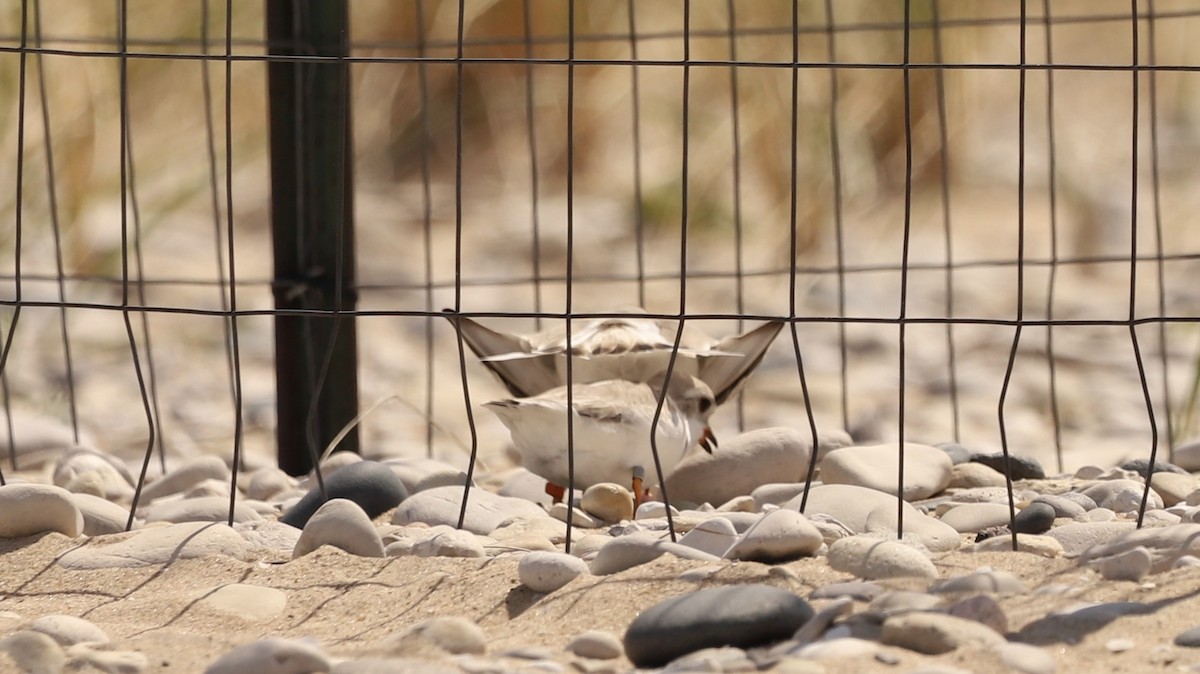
1020 467
1034 518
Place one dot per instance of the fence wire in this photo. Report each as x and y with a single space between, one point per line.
715 162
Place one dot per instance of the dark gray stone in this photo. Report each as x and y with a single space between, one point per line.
1063 506
1142 467
855 589
1021 467
1188 638
1035 518
370 484
739 615
957 453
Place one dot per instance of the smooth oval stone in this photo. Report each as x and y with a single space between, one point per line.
68 630
608 501
419 471
267 482
31 509
866 511
159 545
1174 488
342 524
957 453
1120 495
927 470
1020 467
203 509
972 475
548 571
1043 546
1132 564
1035 518
1188 638
272 656
34 652
1142 467
714 536
982 609
185 476
485 511
900 601
739 615
1079 536
838 649
596 645
1001 582
450 633
871 558
370 484
740 465
100 516
781 535
1027 659
776 493
449 542
935 633
1063 507
84 470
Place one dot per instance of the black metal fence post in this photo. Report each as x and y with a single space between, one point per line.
313 225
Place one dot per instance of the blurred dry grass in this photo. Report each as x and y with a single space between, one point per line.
405 123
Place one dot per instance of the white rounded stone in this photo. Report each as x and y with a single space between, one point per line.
202 509
969 518
272 656
31 509
449 542
867 511
608 501
780 535
100 516
67 630
927 470
485 511
343 524
870 558
185 476
596 645
159 545
34 652
89 471
714 536
548 571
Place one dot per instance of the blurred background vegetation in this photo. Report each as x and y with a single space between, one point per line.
628 196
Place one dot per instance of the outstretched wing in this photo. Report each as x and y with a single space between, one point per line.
508 357
725 375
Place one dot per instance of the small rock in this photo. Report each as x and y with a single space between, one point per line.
579 518
100 516
970 518
597 645
203 509
1189 638
449 542
1174 488
1121 495
654 510
608 501
159 545
1063 506
451 634
781 535
776 493
866 511
972 475
823 619
1142 467
739 615
1042 546
272 656
1035 518
485 511
856 589
67 630
743 503
1165 544
1027 659
114 662
722 659
934 633
1079 536
34 652
267 482
1019 467
957 453
899 602
83 470
838 649
342 524
1187 456
626 552
1132 564
983 609
1118 645
370 484
31 509
871 558
714 536
927 469
548 571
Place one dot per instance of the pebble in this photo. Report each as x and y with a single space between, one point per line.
342 524
738 615
935 633
776 493
608 501
957 453
743 503
983 609
866 511
1035 518
34 652
714 536
1174 488
449 542
87 471
838 649
1121 495
969 518
546 572
540 527
780 536
451 634
485 511
1189 638
1063 506
31 509
446 477
901 601
1118 645
1079 536
244 601
927 469
416 471
742 464
596 644
267 482
370 484
626 552
185 476
1019 467
579 518
1142 467
67 630
159 545
202 509
1042 546
654 509
969 475
1132 564
987 580
1026 658
1165 545
871 558
272 656
721 659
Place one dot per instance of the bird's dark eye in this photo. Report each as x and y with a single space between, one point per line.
706 404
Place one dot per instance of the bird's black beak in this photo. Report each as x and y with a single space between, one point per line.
708 441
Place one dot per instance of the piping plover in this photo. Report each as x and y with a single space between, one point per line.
629 348
611 429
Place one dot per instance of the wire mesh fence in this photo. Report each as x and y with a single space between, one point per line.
973 218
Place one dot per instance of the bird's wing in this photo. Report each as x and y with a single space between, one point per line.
725 376
508 357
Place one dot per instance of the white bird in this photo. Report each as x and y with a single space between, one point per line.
631 348
611 430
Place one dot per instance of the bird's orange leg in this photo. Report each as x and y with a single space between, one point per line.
556 492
